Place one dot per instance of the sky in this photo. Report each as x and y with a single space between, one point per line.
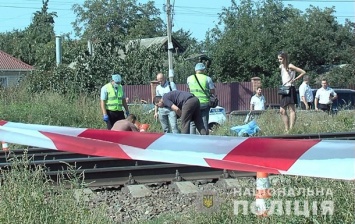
196 16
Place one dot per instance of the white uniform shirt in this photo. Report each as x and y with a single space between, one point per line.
323 95
258 102
306 91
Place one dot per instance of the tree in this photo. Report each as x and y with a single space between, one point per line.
39 33
112 51
29 45
341 76
10 42
185 39
254 33
126 19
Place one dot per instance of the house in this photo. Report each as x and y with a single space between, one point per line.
161 42
12 69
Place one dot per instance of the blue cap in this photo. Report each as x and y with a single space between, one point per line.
116 78
200 67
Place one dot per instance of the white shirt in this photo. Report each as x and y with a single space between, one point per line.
160 91
258 102
306 91
323 95
287 76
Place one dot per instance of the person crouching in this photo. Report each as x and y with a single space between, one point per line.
186 105
126 124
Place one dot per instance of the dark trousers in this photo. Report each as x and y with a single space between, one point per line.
324 107
205 116
191 112
310 104
113 117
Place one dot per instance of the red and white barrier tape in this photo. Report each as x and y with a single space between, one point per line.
317 158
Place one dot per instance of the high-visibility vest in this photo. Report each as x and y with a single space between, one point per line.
196 89
114 100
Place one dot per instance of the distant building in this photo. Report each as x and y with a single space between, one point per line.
12 69
160 42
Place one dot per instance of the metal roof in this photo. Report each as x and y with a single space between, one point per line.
10 63
148 42
159 41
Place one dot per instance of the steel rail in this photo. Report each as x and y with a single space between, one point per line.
104 171
113 176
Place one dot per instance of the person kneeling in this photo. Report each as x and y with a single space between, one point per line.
126 124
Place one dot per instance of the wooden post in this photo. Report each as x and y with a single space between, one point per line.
256 82
153 86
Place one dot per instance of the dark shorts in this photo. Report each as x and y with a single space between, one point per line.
291 98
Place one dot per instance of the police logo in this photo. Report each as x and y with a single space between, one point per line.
207 201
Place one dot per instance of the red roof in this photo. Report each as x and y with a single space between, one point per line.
8 62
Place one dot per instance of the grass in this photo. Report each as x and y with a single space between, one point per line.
306 122
52 109
27 196
339 192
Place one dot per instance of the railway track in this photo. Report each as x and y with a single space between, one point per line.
103 171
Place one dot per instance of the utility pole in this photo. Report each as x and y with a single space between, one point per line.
90 47
58 49
170 42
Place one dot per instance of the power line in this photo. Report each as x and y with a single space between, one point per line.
340 1
199 14
50 2
29 7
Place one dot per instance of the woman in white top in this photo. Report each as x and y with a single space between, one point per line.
288 75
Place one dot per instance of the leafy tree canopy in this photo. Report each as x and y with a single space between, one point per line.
127 19
254 32
245 46
29 44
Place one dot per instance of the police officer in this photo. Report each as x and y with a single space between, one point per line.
201 93
112 101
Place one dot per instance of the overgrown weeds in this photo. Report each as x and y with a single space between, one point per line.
28 195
